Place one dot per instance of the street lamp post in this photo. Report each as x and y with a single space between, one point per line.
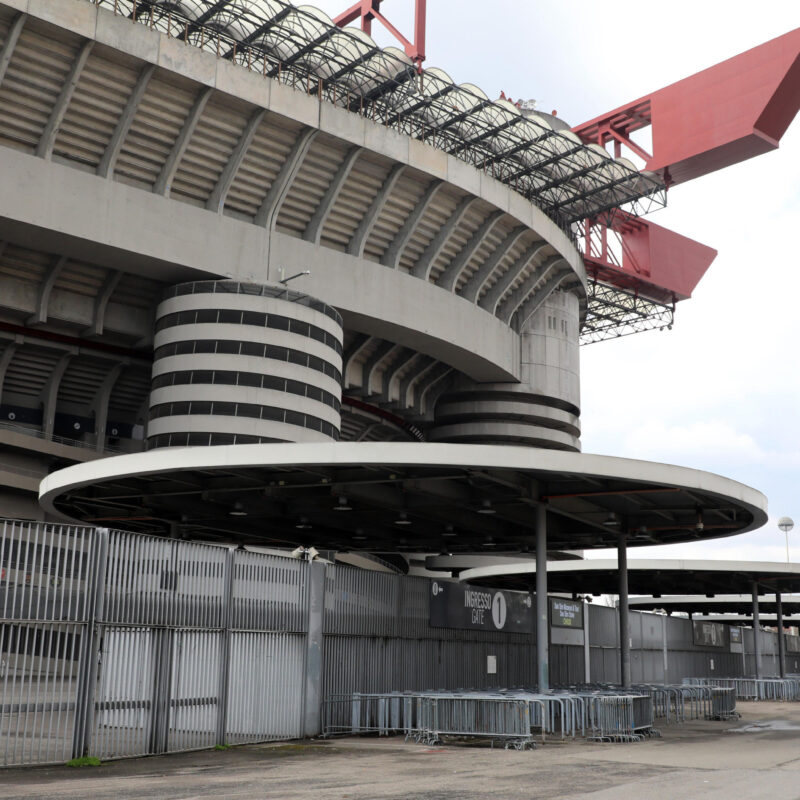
786 524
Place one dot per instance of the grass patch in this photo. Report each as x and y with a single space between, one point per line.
222 747
84 761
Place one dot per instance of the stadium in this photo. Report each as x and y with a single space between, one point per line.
268 288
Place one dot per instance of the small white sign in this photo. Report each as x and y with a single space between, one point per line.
491 665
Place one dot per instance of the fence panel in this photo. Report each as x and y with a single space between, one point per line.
268 593
265 686
45 576
194 690
39 675
125 692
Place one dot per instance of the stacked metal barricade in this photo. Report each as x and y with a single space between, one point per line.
783 689
509 717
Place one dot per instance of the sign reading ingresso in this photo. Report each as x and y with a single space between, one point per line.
459 605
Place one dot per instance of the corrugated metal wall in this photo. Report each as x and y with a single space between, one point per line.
378 638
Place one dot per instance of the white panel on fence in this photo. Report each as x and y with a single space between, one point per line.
124 694
194 704
265 686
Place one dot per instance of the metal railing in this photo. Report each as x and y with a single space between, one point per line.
51 437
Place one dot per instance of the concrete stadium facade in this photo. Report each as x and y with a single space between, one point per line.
162 163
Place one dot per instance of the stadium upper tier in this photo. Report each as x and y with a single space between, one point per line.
134 162
536 154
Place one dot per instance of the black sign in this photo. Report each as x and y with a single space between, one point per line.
566 613
736 635
459 605
708 634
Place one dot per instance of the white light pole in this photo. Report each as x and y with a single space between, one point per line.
786 524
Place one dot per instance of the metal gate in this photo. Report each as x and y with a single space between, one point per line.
117 644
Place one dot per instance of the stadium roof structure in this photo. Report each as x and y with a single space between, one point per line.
698 579
740 604
537 154
402 497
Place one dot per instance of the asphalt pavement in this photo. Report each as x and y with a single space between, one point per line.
756 757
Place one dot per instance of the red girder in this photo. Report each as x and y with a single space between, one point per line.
720 116
656 262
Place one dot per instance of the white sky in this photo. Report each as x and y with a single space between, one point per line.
721 391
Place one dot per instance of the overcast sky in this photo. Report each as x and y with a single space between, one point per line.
721 391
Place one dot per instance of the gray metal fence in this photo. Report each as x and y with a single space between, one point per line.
116 644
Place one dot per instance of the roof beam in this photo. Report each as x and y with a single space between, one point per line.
425 387
198 23
45 147
163 185
423 365
355 347
422 269
472 288
493 297
50 393
534 303
520 294
427 101
391 258
101 303
101 402
298 54
109 160
271 204
42 301
359 239
262 29
390 373
5 360
313 231
369 366
216 202
449 278
10 43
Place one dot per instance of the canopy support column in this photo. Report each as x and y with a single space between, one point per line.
624 619
781 641
756 631
542 644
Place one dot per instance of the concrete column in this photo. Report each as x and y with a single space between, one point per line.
756 629
624 618
542 626
781 642
312 695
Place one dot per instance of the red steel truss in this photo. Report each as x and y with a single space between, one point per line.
714 119
367 10
728 113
